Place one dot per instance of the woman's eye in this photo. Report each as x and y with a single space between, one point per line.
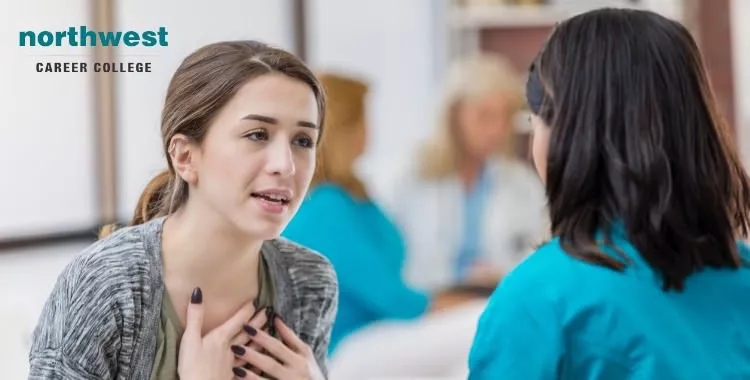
304 141
257 135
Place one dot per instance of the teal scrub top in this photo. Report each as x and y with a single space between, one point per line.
367 253
556 317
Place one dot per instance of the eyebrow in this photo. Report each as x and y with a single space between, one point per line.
271 120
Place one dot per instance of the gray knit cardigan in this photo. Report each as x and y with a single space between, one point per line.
101 320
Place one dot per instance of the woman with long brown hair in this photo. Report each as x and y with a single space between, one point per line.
383 327
199 284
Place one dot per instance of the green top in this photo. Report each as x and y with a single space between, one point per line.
170 328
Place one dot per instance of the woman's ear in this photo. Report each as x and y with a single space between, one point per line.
183 157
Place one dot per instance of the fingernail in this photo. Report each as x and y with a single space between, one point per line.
250 330
197 296
247 366
238 350
239 372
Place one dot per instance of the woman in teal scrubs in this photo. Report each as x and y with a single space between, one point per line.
644 277
383 326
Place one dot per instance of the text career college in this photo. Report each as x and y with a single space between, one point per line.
98 67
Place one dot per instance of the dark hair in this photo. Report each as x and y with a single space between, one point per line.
636 140
205 81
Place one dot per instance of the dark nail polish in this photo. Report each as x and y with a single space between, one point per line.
197 296
250 330
247 366
239 372
238 350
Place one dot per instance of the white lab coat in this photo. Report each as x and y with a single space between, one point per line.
430 216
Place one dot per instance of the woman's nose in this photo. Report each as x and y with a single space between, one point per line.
280 161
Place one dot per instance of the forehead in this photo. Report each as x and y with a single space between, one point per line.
275 95
493 99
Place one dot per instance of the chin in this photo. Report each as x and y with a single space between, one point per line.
257 222
261 227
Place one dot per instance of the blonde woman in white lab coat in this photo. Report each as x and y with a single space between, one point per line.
470 211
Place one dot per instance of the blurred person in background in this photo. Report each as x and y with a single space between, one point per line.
471 210
199 286
646 276
383 327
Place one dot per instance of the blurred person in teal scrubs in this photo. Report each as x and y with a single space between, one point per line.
383 326
646 276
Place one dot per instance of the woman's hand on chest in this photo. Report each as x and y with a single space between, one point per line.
288 358
208 356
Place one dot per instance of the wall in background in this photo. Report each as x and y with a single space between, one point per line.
46 125
391 44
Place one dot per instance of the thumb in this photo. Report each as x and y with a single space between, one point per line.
194 319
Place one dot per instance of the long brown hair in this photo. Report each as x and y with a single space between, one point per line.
205 81
637 144
345 112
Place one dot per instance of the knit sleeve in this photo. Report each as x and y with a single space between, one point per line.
76 336
328 311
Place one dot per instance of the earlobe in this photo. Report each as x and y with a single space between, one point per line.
182 157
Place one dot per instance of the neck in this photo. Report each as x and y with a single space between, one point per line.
469 170
208 252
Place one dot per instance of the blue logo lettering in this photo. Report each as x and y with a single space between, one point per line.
82 36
